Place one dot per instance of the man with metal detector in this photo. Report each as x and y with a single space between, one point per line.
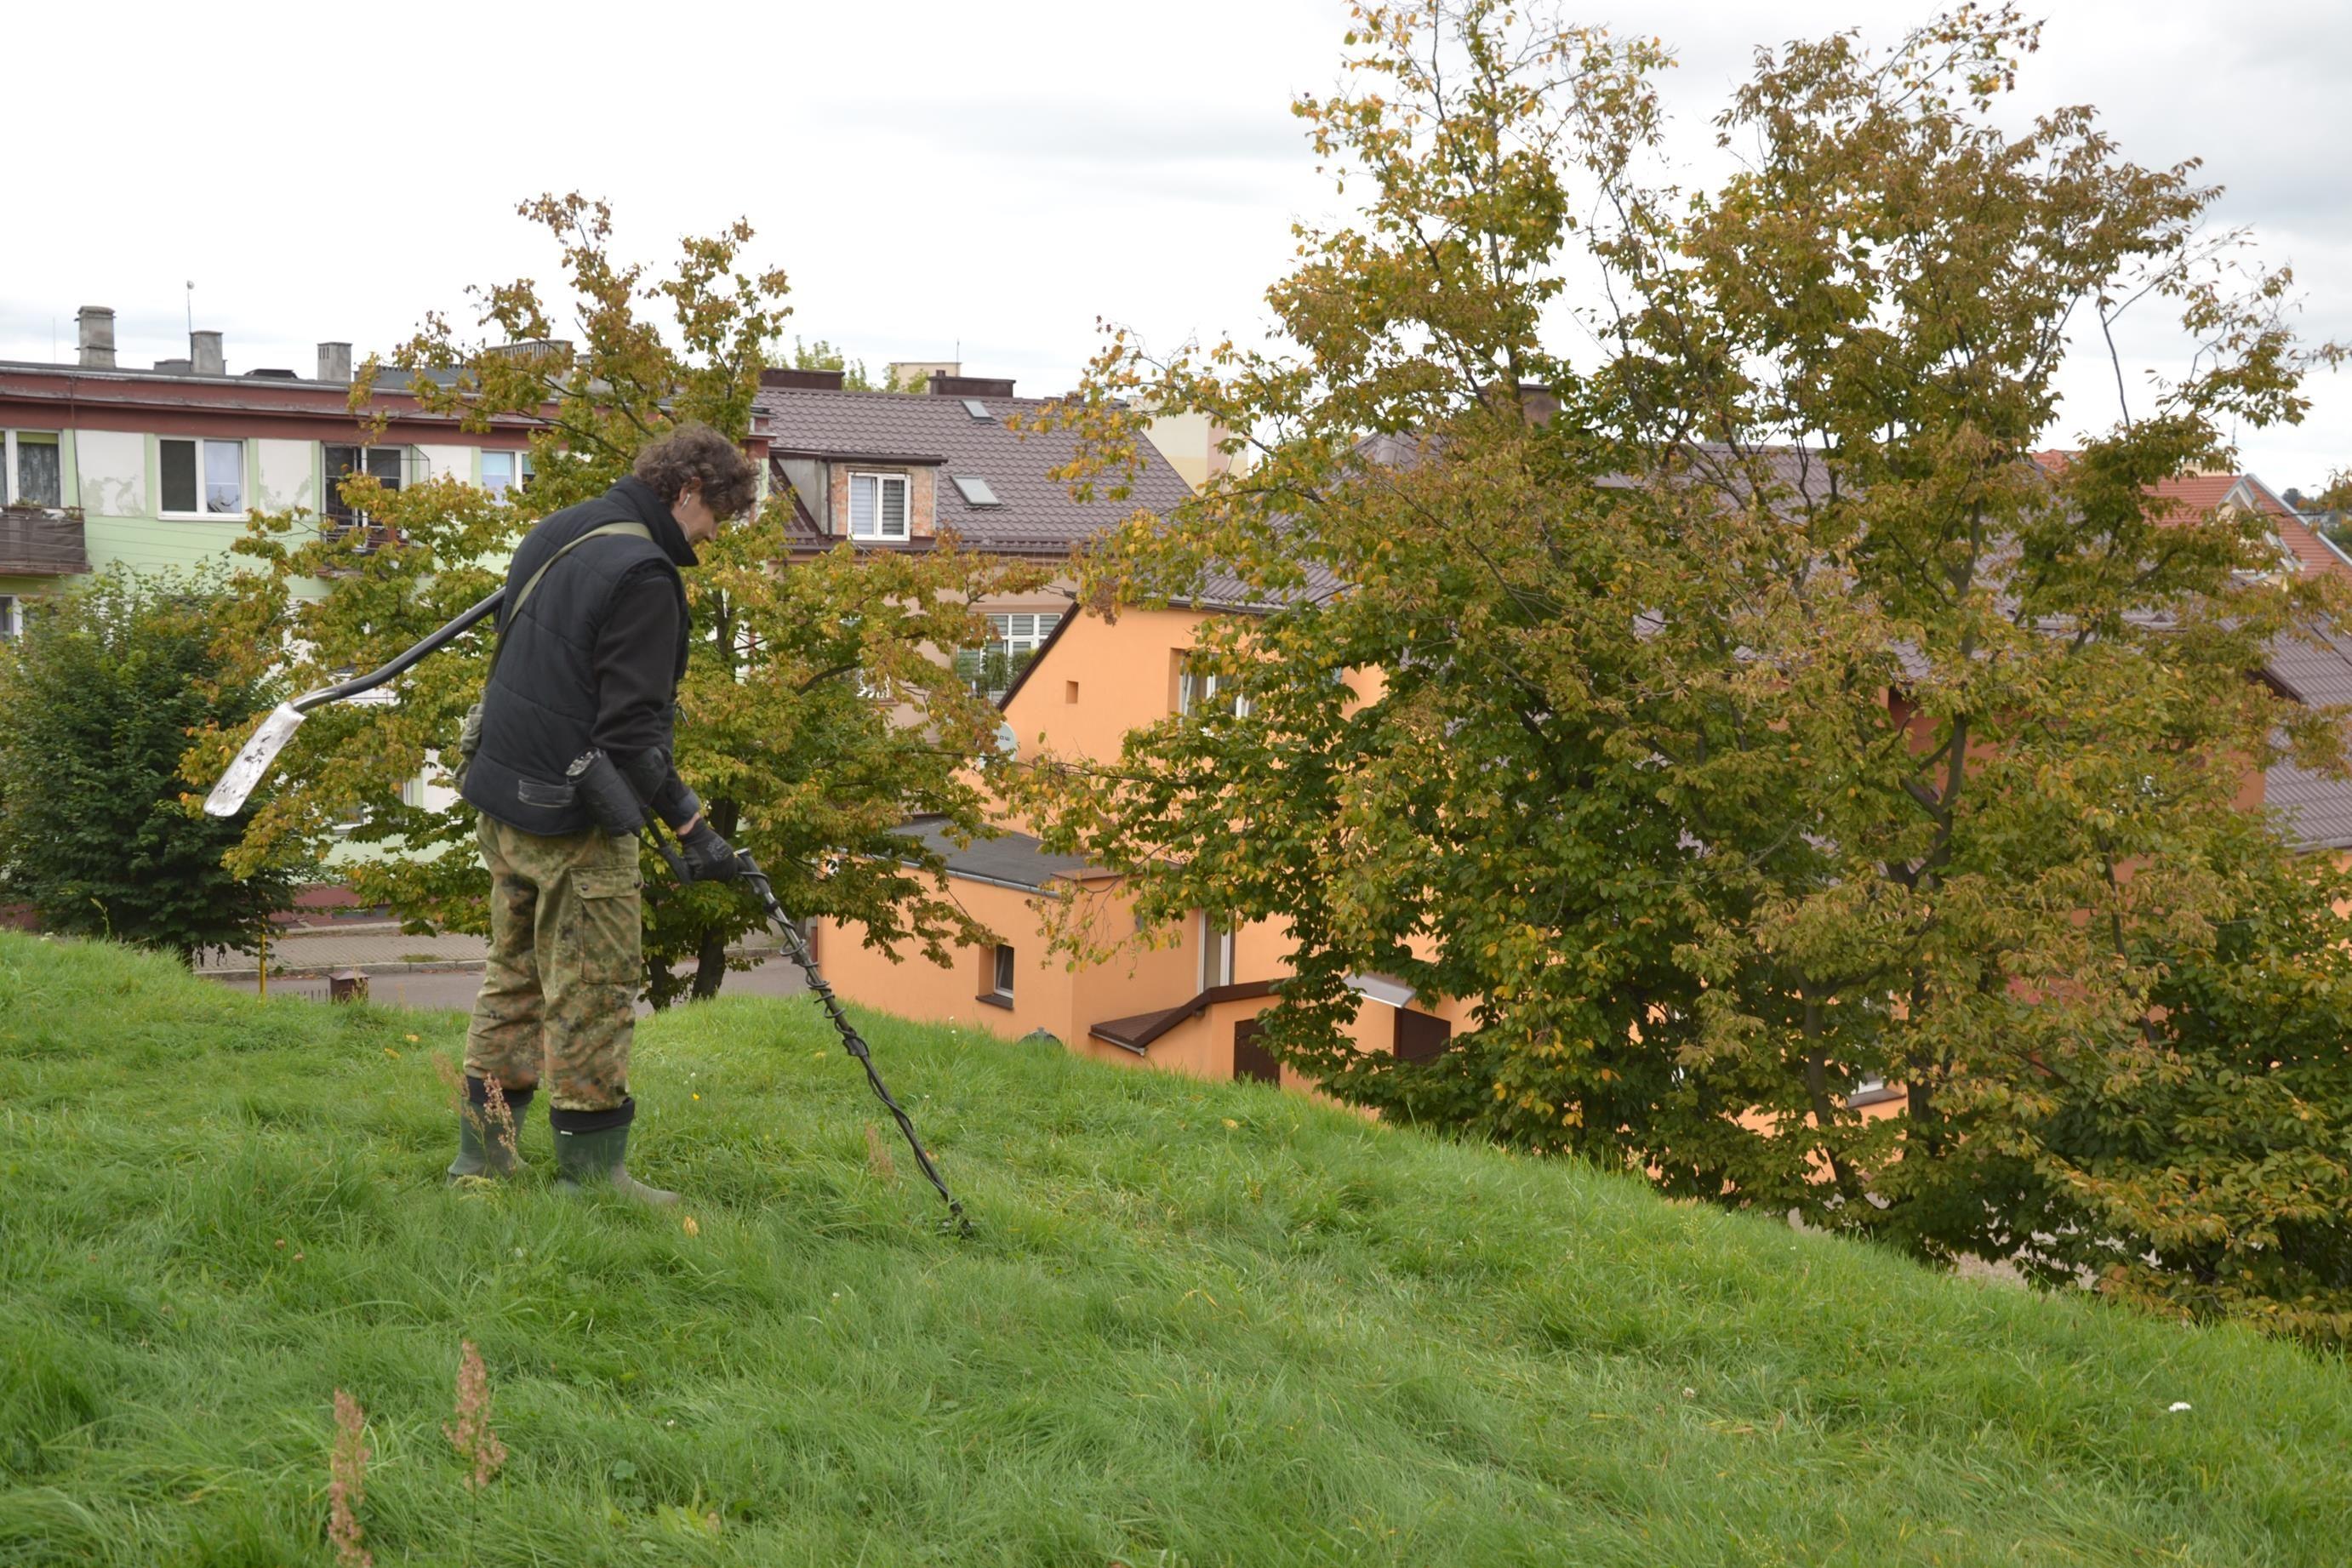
568 749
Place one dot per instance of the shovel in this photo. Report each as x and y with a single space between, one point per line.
253 759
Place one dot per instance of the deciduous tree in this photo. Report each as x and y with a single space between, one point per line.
816 715
1749 717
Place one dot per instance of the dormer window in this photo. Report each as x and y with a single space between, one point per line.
877 506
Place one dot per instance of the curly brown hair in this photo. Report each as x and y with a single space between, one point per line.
698 454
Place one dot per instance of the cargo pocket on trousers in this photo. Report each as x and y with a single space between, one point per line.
612 937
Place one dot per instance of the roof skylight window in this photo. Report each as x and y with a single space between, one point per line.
976 492
977 409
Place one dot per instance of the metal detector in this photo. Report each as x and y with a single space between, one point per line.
261 748
796 950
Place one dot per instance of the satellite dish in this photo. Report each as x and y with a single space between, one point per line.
1007 743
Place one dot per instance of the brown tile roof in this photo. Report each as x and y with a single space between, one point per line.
1035 514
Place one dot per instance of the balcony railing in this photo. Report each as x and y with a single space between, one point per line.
42 541
364 535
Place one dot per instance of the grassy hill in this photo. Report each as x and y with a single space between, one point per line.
1199 1324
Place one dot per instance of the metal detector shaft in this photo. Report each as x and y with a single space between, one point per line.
851 1041
432 643
269 738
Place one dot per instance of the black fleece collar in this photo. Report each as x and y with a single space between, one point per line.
649 508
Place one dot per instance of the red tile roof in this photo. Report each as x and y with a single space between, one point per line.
2195 494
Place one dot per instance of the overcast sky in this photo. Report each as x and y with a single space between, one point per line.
940 180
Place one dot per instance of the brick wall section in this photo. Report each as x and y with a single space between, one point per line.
922 496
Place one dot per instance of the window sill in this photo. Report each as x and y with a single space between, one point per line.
205 516
994 999
1875 1096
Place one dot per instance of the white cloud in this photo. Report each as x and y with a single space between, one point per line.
929 172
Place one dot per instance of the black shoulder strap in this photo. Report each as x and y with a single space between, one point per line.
639 529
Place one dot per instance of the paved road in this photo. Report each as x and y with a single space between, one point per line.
456 987
375 946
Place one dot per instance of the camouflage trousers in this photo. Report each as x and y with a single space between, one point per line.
566 962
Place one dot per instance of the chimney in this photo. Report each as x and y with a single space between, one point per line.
802 380
97 324
204 354
335 363
971 386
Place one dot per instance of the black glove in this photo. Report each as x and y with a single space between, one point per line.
608 795
708 857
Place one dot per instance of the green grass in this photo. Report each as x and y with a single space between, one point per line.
1199 1324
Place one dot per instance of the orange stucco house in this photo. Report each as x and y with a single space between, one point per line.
1189 999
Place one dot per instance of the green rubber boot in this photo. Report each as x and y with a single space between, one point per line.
592 1151
483 1149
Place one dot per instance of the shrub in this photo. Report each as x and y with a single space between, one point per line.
97 701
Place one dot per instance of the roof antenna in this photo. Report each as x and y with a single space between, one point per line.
191 307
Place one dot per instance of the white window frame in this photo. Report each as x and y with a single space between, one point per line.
330 485
522 470
244 481
1015 641
12 617
1004 967
8 463
906 483
1197 689
1014 632
1218 941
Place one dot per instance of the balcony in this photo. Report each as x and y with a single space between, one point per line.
42 541
360 533
356 532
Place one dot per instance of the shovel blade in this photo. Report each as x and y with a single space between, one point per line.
252 761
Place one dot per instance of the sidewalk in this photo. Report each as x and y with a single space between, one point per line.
441 972
452 989
374 946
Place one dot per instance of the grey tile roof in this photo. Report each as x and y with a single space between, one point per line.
1222 591
1012 858
2317 676
2318 809
1037 515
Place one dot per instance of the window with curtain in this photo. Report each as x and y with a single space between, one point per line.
36 473
877 506
203 478
505 471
